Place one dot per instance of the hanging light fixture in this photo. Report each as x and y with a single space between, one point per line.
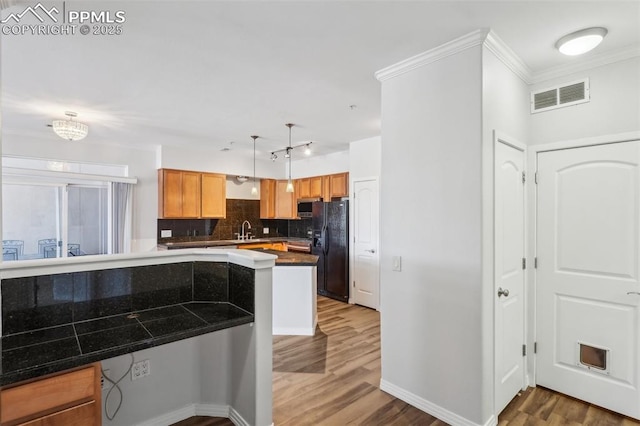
290 182
307 150
254 190
69 129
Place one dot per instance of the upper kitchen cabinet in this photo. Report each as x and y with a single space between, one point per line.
214 195
267 198
178 194
335 186
310 187
286 207
184 194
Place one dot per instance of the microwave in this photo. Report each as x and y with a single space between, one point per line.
305 208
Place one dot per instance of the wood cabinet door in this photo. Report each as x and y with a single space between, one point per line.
285 201
315 187
170 193
326 188
267 199
340 185
190 194
214 195
304 188
81 415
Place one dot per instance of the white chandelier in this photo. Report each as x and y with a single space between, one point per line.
69 129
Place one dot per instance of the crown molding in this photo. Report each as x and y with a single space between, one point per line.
508 57
452 47
595 61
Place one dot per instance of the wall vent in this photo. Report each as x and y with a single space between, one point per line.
573 93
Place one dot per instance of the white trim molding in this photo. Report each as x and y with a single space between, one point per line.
211 410
431 408
452 47
506 55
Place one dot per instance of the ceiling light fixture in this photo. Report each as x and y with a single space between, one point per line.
274 157
69 129
582 41
254 190
290 182
307 150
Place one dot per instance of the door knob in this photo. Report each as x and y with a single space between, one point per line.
502 292
371 251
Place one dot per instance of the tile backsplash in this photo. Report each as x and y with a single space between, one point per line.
225 229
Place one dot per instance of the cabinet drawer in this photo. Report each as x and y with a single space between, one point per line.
81 415
46 395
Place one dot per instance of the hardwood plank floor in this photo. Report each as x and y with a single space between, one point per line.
332 379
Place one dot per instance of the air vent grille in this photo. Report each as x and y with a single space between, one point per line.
546 99
573 93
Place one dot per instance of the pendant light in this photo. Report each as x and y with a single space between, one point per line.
254 190
289 152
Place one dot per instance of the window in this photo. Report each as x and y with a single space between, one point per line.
47 214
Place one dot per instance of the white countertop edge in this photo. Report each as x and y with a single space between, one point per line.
26 268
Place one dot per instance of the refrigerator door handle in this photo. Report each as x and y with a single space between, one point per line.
326 240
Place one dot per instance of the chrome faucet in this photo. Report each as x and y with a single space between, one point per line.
242 234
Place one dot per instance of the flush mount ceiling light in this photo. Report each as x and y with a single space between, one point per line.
254 190
69 129
581 41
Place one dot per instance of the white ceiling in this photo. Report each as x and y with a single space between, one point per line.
208 73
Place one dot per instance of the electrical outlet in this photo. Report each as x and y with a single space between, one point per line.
265 231
104 384
165 233
140 369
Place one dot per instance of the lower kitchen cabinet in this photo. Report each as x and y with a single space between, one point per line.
280 246
64 399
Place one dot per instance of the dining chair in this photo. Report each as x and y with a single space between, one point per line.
73 249
48 247
16 246
9 253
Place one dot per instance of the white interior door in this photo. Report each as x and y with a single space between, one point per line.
366 264
588 322
509 273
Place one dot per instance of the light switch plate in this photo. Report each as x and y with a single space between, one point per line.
396 263
265 231
165 233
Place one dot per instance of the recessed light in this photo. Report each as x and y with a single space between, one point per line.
581 41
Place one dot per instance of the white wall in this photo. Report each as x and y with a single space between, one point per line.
431 314
364 158
336 162
142 165
614 106
242 190
174 382
228 162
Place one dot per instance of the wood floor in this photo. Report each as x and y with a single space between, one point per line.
332 379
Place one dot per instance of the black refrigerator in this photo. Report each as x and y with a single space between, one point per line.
331 245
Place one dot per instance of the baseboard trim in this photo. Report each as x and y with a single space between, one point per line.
429 407
212 410
291 331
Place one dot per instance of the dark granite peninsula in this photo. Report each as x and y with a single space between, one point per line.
64 313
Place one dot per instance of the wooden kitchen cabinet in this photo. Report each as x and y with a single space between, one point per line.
335 186
267 198
315 187
184 194
339 185
178 194
304 188
64 399
286 206
213 195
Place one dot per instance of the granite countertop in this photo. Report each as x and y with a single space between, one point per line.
286 258
224 243
36 353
